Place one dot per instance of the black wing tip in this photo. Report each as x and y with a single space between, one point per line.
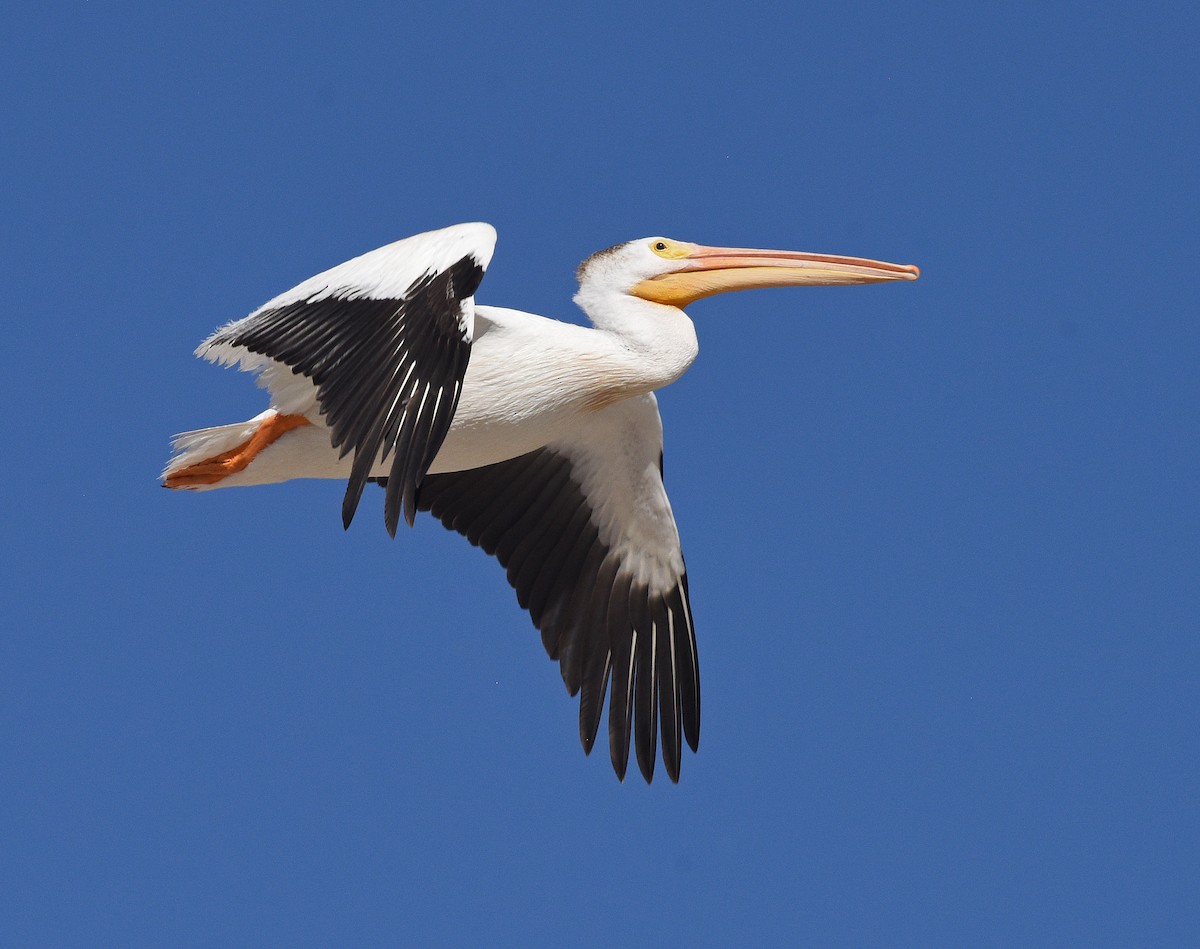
618 746
621 768
391 521
359 354
590 716
410 505
568 614
620 763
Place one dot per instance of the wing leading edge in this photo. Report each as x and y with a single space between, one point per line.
585 532
384 339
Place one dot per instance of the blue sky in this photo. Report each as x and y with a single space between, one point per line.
942 537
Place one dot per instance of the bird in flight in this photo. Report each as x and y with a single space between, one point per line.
538 440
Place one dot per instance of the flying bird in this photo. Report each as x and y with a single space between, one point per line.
538 440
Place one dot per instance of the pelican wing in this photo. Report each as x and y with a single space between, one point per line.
381 344
584 528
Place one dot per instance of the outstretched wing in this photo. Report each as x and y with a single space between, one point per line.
384 340
586 533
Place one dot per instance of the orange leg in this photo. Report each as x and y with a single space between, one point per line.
211 470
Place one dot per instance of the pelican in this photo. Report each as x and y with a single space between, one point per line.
538 440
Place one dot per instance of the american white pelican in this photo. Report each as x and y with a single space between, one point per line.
538 440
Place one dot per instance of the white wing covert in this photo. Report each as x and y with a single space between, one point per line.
585 531
384 339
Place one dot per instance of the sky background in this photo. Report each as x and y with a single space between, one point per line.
942 537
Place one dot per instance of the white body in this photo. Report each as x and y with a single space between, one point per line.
530 381
584 527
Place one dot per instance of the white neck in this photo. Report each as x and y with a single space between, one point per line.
659 341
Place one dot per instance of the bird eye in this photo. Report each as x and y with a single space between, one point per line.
668 249
662 247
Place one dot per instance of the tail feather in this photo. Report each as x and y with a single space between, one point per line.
193 447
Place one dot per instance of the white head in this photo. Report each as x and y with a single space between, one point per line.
676 273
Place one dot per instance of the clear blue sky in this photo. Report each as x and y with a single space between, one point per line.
942 537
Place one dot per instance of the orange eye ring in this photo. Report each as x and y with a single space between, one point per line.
668 249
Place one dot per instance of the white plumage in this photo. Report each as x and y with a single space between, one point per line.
538 440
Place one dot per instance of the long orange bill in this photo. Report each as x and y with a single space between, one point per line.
711 270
